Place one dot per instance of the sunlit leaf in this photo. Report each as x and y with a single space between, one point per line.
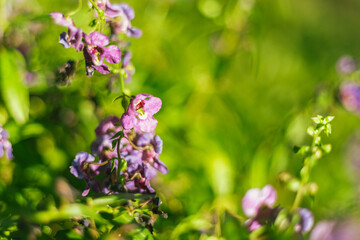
13 91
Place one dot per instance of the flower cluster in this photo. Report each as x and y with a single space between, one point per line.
5 145
96 46
127 150
258 205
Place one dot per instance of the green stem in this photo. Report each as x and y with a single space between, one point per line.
77 9
305 175
299 196
121 77
100 14
99 11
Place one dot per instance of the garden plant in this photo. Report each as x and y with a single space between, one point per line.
191 119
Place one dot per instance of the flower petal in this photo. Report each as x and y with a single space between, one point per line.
112 54
103 69
99 39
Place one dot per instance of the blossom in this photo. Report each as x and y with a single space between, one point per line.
107 126
255 198
141 185
78 167
349 94
150 156
95 52
102 147
139 115
81 169
127 66
5 145
258 205
73 38
120 16
346 65
346 229
306 220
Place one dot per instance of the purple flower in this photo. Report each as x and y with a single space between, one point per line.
306 221
102 147
74 36
95 52
346 65
128 66
141 185
255 198
107 126
5 145
139 115
346 229
79 169
134 162
322 231
88 172
349 94
119 16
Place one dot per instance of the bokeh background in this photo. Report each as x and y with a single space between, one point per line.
239 81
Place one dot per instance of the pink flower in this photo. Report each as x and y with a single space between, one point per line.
255 198
139 115
95 52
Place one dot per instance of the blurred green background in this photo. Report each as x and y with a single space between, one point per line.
239 80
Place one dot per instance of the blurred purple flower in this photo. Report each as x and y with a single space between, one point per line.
141 185
95 52
258 205
74 36
349 94
127 66
346 65
322 231
5 145
82 170
79 168
139 115
306 221
255 198
345 229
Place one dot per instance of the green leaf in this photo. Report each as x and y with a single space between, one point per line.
318 119
119 97
13 90
124 103
113 143
118 134
141 234
123 218
310 130
329 119
123 165
93 23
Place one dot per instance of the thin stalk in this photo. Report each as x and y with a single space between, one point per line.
121 77
77 9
